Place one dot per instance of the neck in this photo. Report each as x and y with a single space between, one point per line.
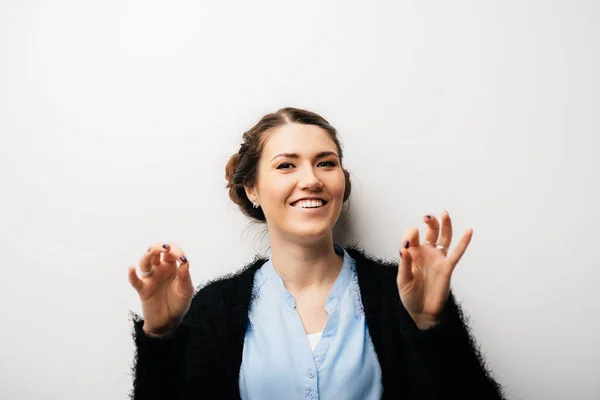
305 265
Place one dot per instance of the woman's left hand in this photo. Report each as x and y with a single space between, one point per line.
425 270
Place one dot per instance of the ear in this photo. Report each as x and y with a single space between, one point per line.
251 194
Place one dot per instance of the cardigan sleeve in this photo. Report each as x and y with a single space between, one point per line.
163 366
158 363
451 355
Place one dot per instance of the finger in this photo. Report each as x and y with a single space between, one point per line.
446 236
149 259
461 247
433 229
412 237
134 280
155 258
174 254
152 257
404 267
185 279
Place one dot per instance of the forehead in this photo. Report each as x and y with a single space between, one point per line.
298 138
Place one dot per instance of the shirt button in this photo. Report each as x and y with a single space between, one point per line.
311 395
311 374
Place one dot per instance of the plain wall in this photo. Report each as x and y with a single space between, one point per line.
117 119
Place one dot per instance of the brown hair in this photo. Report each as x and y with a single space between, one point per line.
242 167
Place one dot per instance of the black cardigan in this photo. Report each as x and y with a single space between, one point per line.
202 358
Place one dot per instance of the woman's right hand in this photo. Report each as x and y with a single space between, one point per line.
166 294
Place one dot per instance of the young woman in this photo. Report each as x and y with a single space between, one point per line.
316 320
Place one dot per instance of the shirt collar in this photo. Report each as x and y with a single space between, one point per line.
268 274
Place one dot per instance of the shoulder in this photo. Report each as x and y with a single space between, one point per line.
215 296
367 263
227 282
376 275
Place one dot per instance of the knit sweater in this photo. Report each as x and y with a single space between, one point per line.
202 358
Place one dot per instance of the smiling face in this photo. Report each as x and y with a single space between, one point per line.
300 183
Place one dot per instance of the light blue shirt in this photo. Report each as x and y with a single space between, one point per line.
277 361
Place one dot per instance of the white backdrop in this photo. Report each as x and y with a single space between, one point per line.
117 119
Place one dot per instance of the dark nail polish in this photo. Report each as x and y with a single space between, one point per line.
166 246
149 249
183 259
406 244
428 216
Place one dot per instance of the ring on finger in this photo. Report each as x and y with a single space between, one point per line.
439 246
148 273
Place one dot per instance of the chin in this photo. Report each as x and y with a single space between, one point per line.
310 227
311 232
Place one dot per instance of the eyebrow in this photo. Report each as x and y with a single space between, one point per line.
294 155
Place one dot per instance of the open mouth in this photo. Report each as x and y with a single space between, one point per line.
313 203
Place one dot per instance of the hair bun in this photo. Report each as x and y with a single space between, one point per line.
231 167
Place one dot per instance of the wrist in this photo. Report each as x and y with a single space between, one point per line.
424 322
159 333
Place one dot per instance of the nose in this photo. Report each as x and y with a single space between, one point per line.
309 180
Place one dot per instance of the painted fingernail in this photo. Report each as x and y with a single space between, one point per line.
428 217
406 243
183 259
166 246
149 248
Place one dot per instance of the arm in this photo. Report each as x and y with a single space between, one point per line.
439 330
158 363
448 350
170 366
166 293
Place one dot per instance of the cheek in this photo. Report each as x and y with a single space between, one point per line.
276 192
339 185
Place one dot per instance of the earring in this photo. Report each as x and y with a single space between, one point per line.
255 204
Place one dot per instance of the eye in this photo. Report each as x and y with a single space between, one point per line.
285 165
328 163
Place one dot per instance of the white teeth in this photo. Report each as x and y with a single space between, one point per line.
308 203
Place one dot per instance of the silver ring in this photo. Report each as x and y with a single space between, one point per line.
439 246
147 273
